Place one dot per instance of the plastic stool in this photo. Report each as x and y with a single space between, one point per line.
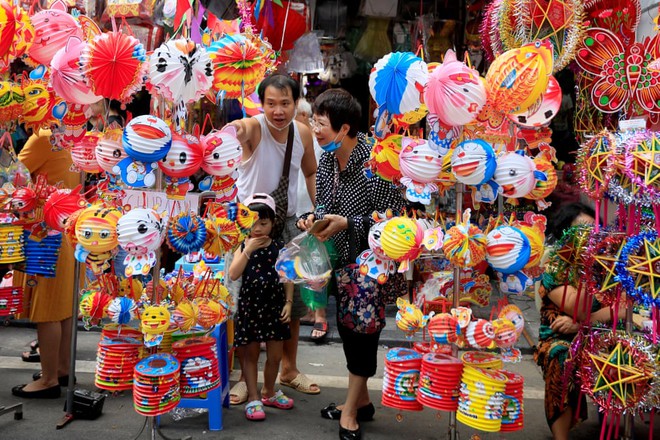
220 396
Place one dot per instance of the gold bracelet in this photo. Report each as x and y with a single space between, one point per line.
288 301
246 255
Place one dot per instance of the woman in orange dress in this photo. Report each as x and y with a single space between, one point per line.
49 302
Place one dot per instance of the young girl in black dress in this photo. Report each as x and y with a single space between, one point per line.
264 309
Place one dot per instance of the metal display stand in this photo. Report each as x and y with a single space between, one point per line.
71 386
452 433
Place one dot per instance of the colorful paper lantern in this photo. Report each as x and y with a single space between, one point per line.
518 77
397 82
147 138
401 240
375 233
154 321
508 249
96 228
455 92
480 334
473 162
513 313
465 244
543 188
42 107
60 205
384 158
181 70
140 232
83 153
419 165
541 112
199 365
186 232
114 65
12 98
116 358
52 29
22 38
185 315
66 76
156 385
184 157
222 152
418 161
109 150
239 65
122 310
516 174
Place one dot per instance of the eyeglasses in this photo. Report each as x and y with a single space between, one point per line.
316 125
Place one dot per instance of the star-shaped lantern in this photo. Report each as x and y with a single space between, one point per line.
617 373
646 267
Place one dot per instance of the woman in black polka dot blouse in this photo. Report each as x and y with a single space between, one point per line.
347 197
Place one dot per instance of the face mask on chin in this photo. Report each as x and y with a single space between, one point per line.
333 145
271 125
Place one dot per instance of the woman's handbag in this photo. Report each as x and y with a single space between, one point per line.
360 307
360 300
281 193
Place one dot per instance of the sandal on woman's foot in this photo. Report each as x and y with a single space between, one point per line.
255 411
31 356
319 332
302 383
279 400
238 394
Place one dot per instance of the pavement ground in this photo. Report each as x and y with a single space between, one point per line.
323 363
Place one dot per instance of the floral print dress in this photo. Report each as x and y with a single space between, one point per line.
261 300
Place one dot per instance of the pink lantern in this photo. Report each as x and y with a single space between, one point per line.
222 152
184 156
67 78
83 153
109 150
419 161
53 28
454 92
420 165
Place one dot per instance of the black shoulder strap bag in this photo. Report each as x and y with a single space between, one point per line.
280 195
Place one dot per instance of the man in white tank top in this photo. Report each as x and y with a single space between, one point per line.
264 140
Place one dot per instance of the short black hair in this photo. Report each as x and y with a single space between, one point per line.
280 82
341 108
564 217
264 211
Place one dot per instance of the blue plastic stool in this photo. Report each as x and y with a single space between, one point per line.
220 396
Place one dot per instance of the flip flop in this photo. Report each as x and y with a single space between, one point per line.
319 327
302 384
240 392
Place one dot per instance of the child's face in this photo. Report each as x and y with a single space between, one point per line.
262 228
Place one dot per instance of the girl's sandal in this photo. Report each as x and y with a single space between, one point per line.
255 411
279 400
